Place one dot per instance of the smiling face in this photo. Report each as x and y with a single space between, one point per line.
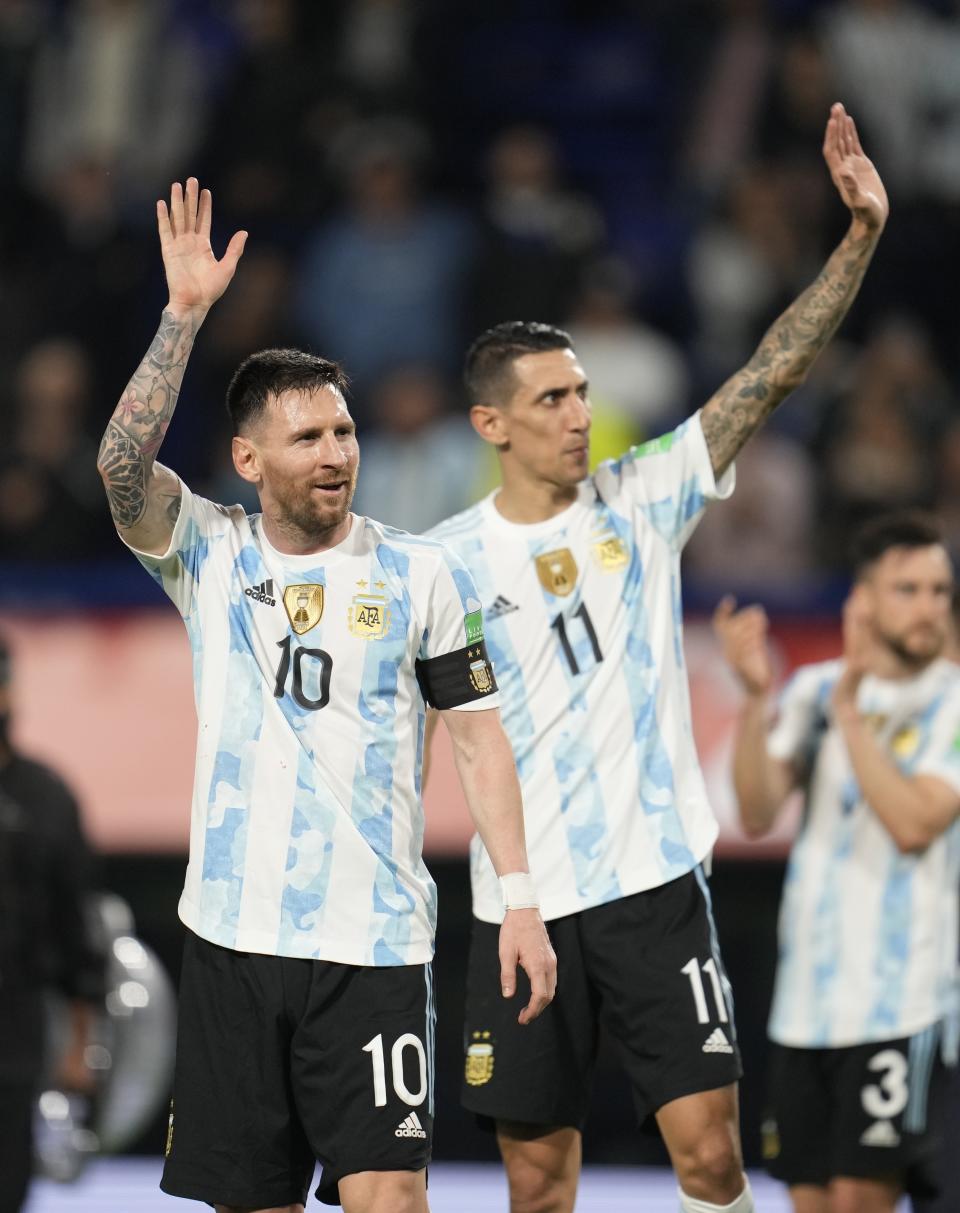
301 453
542 428
909 592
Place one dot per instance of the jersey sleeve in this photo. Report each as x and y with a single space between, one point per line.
669 480
801 717
453 668
940 757
177 571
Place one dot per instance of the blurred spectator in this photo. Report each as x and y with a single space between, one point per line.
887 58
45 943
763 537
632 368
878 441
729 100
537 232
420 464
382 282
745 266
261 149
117 88
376 51
50 507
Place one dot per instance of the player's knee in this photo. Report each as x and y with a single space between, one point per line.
537 1189
712 1168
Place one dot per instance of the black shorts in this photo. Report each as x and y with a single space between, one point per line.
282 1062
863 1112
647 967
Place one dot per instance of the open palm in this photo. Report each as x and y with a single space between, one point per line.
854 175
195 278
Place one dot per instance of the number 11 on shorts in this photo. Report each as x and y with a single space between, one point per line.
692 970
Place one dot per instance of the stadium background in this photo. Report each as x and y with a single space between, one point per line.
645 172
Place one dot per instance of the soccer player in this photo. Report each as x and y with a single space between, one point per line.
306 1007
580 575
868 922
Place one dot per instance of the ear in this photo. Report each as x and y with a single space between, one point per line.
246 460
490 423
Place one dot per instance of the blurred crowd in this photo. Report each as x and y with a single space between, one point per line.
646 173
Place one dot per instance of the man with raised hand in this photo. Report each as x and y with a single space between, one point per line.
866 972
580 575
306 1008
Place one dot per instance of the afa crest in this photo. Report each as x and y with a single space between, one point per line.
481 676
610 553
557 572
905 741
368 616
479 1063
304 606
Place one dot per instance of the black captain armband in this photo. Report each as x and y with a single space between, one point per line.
456 678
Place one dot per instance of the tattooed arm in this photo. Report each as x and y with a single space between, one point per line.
790 346
144 496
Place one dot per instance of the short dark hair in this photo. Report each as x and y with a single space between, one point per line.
905 529
489 360
272 372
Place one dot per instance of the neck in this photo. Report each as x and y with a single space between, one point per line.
526 499
889 665
292 540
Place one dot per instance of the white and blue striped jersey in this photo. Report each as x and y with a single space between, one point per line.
868 936
307 823
583 625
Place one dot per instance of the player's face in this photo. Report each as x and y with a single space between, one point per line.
910 591
306 459
546 422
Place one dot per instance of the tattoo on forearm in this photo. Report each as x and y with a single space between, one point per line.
786 352
140 420
121 465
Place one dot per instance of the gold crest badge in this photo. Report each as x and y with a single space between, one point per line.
557 572
481 676
304 606
479 1063
610 552
368 616
905 741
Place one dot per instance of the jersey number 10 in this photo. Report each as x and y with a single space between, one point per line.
323 675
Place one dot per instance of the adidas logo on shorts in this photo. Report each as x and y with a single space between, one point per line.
880 1133
262 592
410 1127
716 1042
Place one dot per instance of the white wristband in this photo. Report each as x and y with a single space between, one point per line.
519 891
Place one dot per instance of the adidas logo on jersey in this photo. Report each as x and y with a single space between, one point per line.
880 1133
717 1042
501 606
410 1127
262 592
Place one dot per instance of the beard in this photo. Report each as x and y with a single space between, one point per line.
300 510
916 654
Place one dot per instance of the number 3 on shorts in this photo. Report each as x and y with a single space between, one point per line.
375 1049
887 1098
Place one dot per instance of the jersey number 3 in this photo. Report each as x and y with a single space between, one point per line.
321 676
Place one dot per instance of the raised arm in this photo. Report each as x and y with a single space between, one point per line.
914 809
144 496
789 347
484 762
761 782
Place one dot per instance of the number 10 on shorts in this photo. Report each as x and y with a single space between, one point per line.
375 1049
692 970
